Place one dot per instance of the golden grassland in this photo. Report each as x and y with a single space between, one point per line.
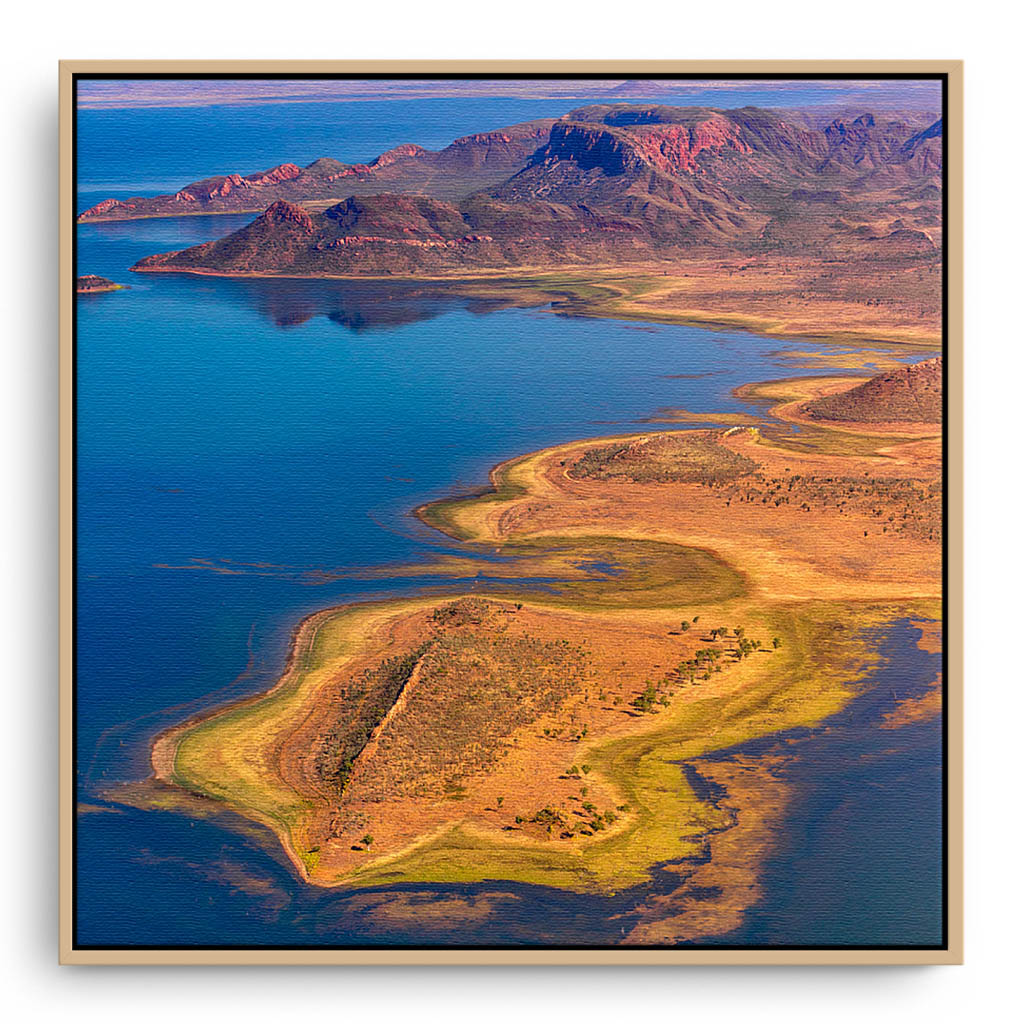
533 732
843 357
852 301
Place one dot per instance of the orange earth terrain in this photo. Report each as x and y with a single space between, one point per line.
708 586
771 293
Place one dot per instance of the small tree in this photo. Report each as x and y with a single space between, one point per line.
367 840
776 642
684 625
696 619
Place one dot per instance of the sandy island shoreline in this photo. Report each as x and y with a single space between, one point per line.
164 745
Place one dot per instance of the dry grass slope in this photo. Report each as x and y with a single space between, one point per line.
911 394
686 457
476 685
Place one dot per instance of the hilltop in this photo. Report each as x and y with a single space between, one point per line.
910 394
405 235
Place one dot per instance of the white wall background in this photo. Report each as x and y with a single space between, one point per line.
36 35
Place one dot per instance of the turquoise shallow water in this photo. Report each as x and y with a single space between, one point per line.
234 437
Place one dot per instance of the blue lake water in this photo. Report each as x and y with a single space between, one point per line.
292 426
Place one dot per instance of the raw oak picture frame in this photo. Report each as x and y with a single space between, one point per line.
953 525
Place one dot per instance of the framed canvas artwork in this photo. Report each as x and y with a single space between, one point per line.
510 513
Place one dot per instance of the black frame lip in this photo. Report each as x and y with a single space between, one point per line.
941 76
517 76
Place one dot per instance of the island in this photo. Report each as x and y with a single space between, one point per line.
468 164
91 284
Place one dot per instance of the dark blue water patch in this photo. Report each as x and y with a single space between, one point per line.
859 855
706 790
602 567
111 249
168 879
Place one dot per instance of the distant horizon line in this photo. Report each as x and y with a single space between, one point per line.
127 93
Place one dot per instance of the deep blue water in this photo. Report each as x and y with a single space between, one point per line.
292 426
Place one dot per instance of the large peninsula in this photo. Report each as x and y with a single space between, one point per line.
534 734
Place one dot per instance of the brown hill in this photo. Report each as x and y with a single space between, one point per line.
644 174
404 235
774 144
89 283
910 394
695 174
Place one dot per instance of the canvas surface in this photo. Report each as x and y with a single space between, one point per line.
510 514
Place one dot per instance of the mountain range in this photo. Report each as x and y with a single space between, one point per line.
467 165
613 183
